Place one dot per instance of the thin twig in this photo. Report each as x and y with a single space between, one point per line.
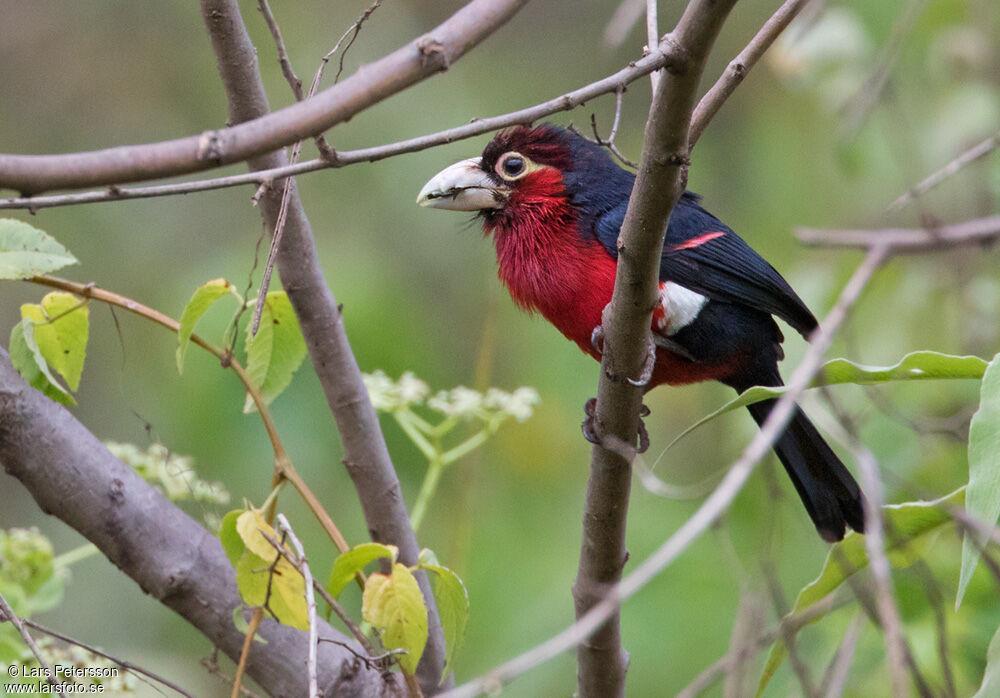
126 665
7 615
836 674
867 96
738 68
283 60
713 507
652 39
609 142
799 667
303 567
977 151
881 571
978 231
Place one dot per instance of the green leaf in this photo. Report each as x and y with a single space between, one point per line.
394 605
26 251
230 537
203 298
276 351
991 677
49 594
907 526
453 608
278 585
62 324
29 362
241 625
982 500
919 365
354 560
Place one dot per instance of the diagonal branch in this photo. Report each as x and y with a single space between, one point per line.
978 231
416 61
72 476
366 456
661 178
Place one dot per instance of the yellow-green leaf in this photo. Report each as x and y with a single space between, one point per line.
29 362
354 560
26 251
230 537
982 500
62 324
918 365
251 526
907 525
990 687
453 608
276 351
395 607
277 585
202 299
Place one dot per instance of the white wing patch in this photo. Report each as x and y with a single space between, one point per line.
679 307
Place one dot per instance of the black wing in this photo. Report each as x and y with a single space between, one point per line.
704 255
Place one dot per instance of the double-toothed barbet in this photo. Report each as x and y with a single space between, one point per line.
554 203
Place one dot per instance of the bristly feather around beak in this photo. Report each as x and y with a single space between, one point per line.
463 186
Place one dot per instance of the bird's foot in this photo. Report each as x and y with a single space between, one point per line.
592 433
597 342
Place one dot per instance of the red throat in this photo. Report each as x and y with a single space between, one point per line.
545 263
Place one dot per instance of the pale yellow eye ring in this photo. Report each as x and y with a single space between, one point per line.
512 166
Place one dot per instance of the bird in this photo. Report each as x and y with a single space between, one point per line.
554 201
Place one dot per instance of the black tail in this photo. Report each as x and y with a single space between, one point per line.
831 495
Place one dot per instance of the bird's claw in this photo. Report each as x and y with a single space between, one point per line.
588 426
597 339
590 432
647 368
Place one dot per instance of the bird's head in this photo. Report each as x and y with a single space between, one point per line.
527 174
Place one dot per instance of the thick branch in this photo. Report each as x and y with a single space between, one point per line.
419 59
661 57
660 180
366 456
72 476
978 231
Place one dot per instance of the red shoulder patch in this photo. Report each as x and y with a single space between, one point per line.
698 241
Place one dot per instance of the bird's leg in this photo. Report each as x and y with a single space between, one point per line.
597 341
590 430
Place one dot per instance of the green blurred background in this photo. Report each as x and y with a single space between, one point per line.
420 293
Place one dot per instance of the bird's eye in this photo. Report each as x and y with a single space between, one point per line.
511 166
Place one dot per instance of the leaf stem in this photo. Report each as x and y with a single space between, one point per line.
427 490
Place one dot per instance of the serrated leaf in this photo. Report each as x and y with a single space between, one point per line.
277 584
29 362
990 687
276 351
26 251
906 526
982 500
202 299
395 607
453 608
62 325
230 537
918 365
348 564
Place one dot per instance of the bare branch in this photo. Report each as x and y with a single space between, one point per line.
72 476
981 149
663 56
622 20
418 60
979 231
7 615
660 180
710 510
366 457
126 665
652 39
740 66
279 42
285 528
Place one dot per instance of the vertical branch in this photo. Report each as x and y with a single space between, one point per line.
652 39
366 456
661 179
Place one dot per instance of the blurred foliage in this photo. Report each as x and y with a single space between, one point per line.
420 293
